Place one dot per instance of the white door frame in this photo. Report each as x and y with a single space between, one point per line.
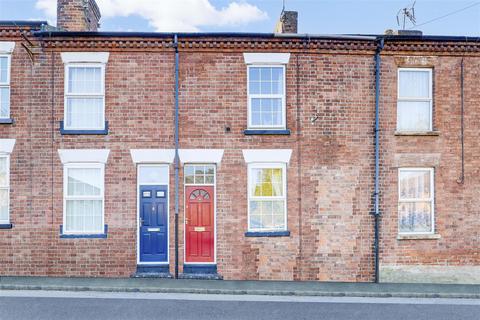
214 185
161 183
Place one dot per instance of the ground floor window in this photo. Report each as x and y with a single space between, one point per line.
4 189
415 200
267 205
83 198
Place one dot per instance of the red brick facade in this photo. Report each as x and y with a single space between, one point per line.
330 102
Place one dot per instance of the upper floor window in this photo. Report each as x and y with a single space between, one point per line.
84 103
266 97
266 91
415 200
414 105
6 49
85 97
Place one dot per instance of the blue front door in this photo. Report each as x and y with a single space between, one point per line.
153 224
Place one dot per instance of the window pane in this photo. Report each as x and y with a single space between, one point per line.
414 84
3 172
266 214
413 116
153 174
4 102
415 217
85 80
414 184
254 74
85 113
3 205
84 182
84 216
267 182
266 112
3 69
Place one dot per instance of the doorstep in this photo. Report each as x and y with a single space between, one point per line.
200 271
153 271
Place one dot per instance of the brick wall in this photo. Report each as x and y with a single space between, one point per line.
330 174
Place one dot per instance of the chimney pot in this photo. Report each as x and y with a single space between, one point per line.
288 22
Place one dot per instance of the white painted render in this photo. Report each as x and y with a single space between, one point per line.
152 155
266 58
7 46
267 155
83 155
201 155
6 145
97 57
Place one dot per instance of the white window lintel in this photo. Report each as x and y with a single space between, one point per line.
7 47
92 57
266 58
6 145
267 155
201 155
83 155
152 155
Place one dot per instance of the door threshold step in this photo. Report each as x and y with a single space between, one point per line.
200 276
165 275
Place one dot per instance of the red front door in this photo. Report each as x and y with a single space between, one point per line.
199 224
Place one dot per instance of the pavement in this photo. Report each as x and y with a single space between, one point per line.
272 288
53 305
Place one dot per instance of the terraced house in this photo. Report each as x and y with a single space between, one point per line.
237 156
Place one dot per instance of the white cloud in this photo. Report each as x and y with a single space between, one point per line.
173 15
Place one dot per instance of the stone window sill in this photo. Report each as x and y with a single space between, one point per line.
268 234
6 226
271 132
417 133
7 121
435 236
84 236
83 132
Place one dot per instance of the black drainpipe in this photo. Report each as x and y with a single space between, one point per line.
177 160
376 213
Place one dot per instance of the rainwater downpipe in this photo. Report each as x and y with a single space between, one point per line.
177 159
376 213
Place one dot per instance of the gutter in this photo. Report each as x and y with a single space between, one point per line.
376 213
53 34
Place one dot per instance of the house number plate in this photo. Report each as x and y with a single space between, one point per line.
153 229
199 229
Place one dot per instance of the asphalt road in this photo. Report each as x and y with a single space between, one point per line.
52 305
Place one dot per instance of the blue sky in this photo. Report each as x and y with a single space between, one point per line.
315 16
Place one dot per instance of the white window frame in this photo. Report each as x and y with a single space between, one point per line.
267 96
431 199
6 187
416 99
84 95
66 197
7 84
273 165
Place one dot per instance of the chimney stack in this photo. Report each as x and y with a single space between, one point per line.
77 15
288 22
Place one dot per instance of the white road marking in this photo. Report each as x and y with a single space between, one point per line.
222 297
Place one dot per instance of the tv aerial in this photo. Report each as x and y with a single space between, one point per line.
407 13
